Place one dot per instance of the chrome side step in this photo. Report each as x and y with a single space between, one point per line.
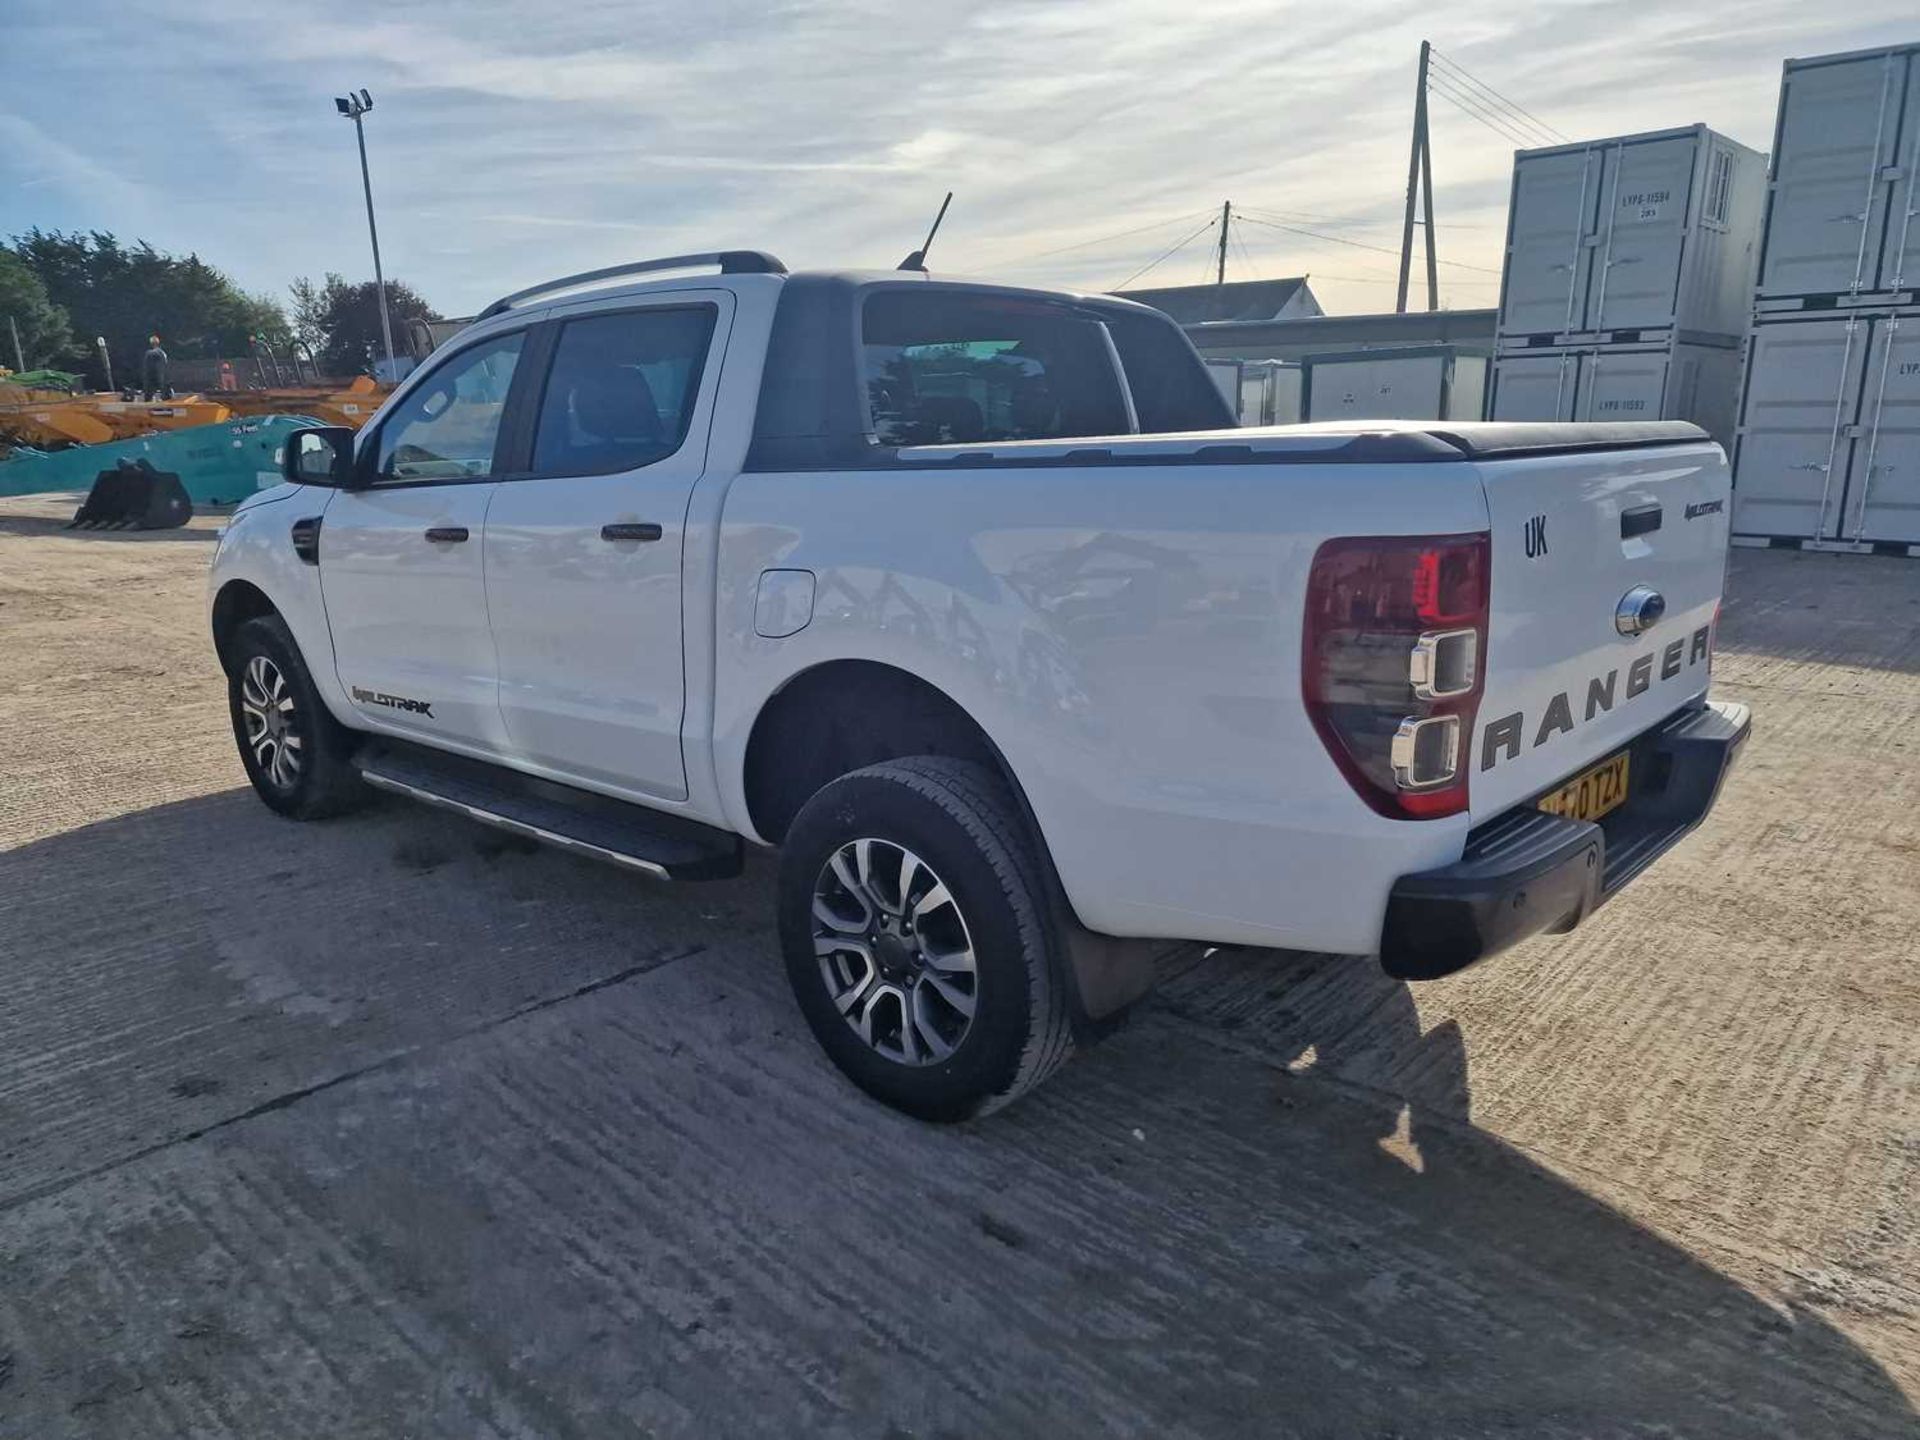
630 836
508 823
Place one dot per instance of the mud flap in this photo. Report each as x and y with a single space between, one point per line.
134 496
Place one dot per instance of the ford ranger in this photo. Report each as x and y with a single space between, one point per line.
973 601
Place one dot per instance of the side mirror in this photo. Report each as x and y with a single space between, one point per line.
321 455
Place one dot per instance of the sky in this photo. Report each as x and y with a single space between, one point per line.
511 142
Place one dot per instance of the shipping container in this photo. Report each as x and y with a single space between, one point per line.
1657 232
1422 382
1829 439
1843 208
1269 392
1675 381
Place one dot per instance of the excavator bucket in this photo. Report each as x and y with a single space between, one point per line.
134 496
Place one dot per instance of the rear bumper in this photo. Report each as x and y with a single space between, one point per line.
1527 872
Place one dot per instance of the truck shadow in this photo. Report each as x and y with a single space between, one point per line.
1185 1232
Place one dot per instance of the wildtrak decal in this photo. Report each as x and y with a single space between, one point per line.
1705 507
1502 739
393 702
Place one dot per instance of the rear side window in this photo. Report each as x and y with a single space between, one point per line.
951 368
621 390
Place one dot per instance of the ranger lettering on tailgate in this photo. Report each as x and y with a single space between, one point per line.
1503 738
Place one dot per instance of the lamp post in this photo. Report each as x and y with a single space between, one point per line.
353 105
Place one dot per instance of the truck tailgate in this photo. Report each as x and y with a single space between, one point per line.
1575 532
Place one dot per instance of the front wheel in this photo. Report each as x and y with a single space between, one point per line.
914 930
295 753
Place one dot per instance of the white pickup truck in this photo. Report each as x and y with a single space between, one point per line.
971 600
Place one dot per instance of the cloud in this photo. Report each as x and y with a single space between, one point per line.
509 143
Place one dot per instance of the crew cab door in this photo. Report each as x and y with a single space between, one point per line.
400 554
584 552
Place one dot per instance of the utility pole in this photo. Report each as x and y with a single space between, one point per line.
1419 178
19 356
1226 219
353 105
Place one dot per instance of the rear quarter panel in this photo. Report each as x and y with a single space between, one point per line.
1129 637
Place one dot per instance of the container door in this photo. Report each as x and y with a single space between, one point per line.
1534 387
1900 264
1549 248
1254 408
1398 387
1838 127
1467 395
1647 193
1286 399
1883 483
1803 397
1623 385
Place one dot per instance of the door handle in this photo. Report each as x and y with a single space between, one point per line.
446 534
634 531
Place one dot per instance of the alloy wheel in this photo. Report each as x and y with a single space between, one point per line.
895 952
273 731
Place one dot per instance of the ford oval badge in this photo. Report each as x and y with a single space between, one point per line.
1639 610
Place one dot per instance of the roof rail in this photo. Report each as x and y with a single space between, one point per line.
731 262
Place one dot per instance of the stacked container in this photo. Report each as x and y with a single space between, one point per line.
1628 278
1829 440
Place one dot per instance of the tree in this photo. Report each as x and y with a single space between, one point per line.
128 292
342 321
45 334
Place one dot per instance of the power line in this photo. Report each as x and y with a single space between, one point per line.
1467 75
1492 119
1527 134
1120 235
1466 85
1359 244
1347 222
1178 246
1246 256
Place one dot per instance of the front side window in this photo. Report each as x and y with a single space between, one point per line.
622 389
953 368
448 425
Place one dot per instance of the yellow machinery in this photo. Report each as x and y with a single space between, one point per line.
53 419
50 418
349 405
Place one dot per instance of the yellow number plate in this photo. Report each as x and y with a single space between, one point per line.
1592 793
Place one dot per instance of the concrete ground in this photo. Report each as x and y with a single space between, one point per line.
387 1127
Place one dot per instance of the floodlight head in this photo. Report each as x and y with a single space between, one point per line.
366 101
343 105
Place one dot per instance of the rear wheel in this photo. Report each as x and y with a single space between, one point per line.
915 938
295 753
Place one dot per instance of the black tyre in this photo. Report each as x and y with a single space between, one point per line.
295 753
914 927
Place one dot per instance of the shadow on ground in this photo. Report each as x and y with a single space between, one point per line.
388 1125
47 527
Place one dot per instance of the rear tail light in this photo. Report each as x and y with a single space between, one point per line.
1394 663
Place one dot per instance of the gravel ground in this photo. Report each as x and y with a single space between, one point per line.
392 1127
